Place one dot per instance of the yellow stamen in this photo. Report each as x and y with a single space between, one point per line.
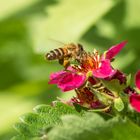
89 74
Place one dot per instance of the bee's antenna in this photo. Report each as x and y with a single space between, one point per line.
56 41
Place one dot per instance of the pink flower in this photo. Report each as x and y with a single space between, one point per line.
67 80
91 64
101 65
135 101
134 97
114 50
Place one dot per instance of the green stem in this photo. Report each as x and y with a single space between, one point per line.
100 110
107 96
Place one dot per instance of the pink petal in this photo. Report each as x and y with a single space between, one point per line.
135 101
56 77
118 75
71 81
137 79
114 50
105 70
70 68
67 80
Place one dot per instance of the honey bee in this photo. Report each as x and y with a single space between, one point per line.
66 53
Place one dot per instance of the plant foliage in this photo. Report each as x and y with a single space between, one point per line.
43 118
61 122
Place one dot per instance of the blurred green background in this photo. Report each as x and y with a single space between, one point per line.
26 30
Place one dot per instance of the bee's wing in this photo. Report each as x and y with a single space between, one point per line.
54 44
56 41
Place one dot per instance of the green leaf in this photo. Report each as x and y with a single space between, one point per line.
128 79
114 85
94 127
70 125
118 104
22 137
134 116
67 21
36 124
79 108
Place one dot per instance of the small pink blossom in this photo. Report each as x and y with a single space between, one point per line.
67 80
114 50
135 101
105 70
134 97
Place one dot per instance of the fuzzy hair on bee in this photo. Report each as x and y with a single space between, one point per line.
66 53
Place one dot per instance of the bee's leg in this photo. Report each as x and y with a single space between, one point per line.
61 61
64 62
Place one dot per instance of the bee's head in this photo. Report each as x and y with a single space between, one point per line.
80 47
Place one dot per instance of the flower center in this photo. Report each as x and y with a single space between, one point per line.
90 61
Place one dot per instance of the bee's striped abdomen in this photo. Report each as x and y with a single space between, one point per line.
55 54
